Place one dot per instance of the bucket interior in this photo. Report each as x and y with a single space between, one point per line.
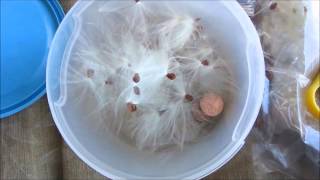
88 137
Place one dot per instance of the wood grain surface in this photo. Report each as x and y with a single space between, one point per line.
31 148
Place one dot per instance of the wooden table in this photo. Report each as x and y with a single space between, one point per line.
31 148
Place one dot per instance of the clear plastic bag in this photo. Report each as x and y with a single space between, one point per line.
287 135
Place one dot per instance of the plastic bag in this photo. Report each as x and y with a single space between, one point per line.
147 72
287 135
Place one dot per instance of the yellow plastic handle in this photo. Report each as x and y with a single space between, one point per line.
311 99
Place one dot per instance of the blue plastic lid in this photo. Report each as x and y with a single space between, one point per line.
27 29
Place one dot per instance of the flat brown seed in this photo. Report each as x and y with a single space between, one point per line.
108 82
269 75
188 97
136 90
205 62
273 6
305 10
90 73
171 76
136 78
131 107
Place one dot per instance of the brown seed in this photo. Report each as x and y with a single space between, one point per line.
211 105
136 90
108 82
198 19
131 107
205 62
171 76
305 10
90 73
273 6
269 75
188 97
136 78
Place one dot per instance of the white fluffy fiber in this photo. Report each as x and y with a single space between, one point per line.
131 38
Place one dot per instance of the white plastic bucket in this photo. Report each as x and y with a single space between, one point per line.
107 154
